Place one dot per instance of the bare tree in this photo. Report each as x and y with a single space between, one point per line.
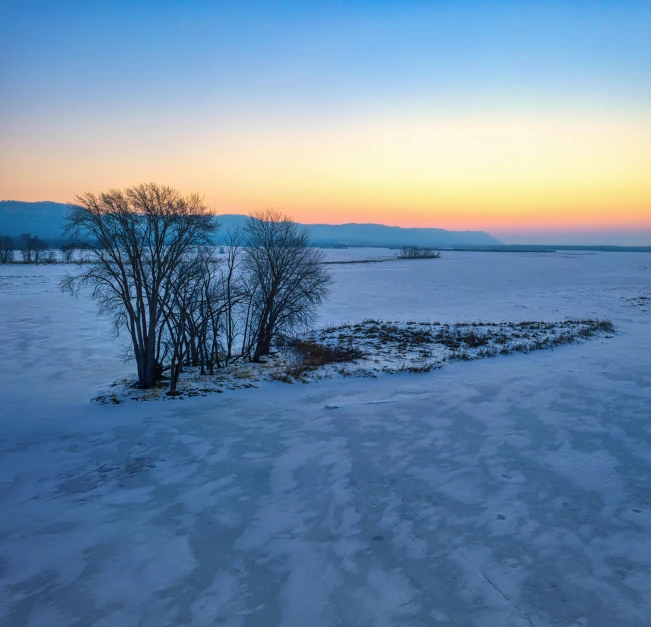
27 249
67 252
39 247
211 315
33 248
6 249
204 311
286 279
233 287
137 240
197 316
181 336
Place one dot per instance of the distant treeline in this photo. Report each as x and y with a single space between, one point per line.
34 250
534 248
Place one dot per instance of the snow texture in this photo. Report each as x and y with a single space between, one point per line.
511 491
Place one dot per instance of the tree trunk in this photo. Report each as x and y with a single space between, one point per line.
258 351
152 363
263 345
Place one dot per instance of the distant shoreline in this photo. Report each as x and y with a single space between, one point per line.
532 248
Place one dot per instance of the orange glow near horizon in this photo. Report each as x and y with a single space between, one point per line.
497 172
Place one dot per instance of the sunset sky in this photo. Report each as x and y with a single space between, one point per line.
531 120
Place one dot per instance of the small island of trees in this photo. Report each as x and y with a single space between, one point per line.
153 269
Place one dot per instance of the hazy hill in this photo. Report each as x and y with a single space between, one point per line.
45 219
39 218
380 235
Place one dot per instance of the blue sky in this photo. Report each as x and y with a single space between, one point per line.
329 54
127 73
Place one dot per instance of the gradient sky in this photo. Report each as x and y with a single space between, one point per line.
531 120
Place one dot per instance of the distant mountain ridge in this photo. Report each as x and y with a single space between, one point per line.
38 218
45 219
354 234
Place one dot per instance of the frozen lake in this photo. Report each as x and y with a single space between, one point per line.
513 491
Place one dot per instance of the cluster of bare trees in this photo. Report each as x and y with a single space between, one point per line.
33 250
416 252
153 268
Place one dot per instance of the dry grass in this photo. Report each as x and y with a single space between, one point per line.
311 355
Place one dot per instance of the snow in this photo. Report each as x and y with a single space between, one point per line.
504 491
366 349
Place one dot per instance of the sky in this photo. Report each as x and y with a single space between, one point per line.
530 120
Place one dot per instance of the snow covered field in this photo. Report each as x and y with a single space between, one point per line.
512 491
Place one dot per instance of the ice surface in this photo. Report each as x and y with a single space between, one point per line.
509 491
